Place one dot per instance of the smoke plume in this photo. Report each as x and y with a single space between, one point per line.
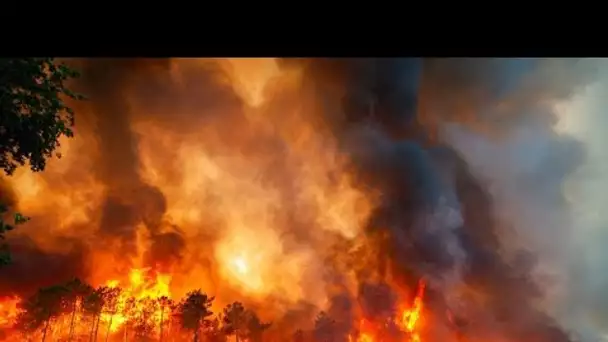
341 187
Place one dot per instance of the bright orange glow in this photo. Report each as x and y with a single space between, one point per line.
140 288
242 182
412 315
408 321
365 338
241 266
252 75
8 310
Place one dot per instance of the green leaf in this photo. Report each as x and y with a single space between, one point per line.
33 116
20 219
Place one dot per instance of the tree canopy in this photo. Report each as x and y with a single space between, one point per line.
34 115
77 311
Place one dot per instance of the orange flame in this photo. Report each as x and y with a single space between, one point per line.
139 288
408 322
411 317
9 309
243 238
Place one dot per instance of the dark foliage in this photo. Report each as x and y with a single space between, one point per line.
33 117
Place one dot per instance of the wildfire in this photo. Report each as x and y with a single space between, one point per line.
408 321
252 197
411 316
240 265
145 296
133 298
365 338
9 310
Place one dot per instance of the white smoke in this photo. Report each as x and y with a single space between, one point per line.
585 117
529 170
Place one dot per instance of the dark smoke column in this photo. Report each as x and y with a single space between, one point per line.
438 217
129 200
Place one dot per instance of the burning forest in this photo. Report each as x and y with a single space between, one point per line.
321 200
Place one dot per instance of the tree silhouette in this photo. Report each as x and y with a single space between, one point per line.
324 328
111 296
49 311
33 116
94 305
255 328
213 330
194 311
165 304
76 293
235 320
41 308
130 311
144 322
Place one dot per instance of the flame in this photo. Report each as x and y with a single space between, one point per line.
9 310
411 316
252 75
408 321
365 338
139 295
140 287
234 206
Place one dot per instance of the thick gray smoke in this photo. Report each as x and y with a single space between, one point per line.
472 170
525 162
584 117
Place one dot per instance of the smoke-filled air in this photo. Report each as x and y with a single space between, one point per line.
318 200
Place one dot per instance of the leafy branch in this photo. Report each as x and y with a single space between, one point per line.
34 115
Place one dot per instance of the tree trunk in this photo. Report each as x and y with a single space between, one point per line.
92 329
46 328
71 333
97 327
125 335
109 327
171 337
160 337
236 335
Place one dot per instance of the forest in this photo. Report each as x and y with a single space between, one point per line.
336 185
36 113
77 311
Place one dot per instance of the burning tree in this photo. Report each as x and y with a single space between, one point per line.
194 312
77 292
235 320
130 313
144 324
40 309
94 306
112 296
123 314
165 304
255 327
213 330
242 323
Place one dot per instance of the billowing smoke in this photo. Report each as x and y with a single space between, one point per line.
350 182
512 145
129 201
498 117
